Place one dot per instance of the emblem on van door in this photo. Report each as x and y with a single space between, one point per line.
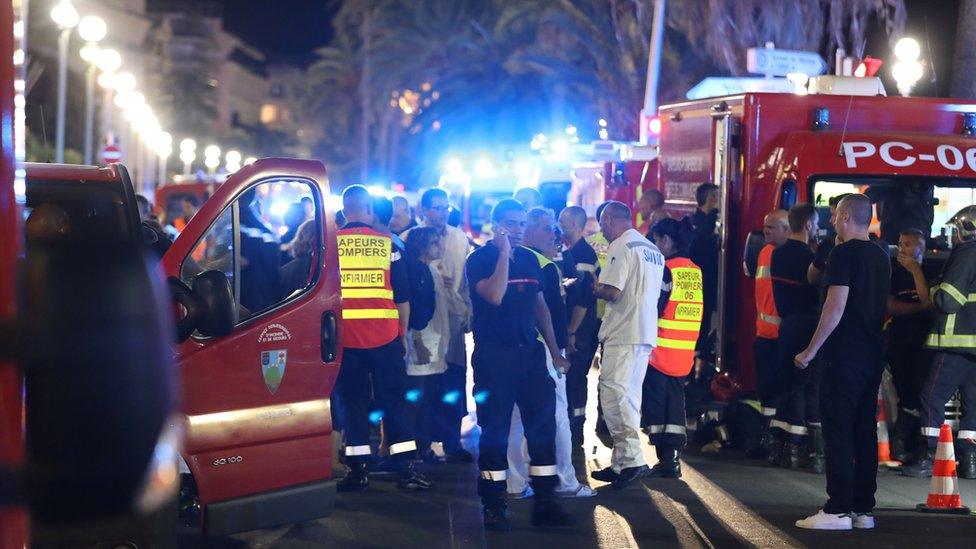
273 368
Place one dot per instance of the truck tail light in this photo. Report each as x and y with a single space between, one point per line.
869 66
654 126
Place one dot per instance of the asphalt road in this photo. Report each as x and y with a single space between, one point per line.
723 500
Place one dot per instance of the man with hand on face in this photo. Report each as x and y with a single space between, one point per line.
849 338
910 307
509 364
630 282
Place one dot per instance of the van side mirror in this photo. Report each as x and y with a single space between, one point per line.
750 257
100 383
219 309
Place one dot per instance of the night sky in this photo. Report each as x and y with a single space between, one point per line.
286 30
290 30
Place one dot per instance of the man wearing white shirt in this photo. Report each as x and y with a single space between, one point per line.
435 206
630 282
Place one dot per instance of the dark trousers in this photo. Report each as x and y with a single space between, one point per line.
504 377
800 406
576 381
426 395
663 409
950 372
771 380
848 407
910 363
447 418
372 387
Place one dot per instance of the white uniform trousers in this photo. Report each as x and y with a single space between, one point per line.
622 371
518 450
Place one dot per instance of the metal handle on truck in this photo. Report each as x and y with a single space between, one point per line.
330 337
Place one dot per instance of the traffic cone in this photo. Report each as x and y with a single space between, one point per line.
944 493
884 446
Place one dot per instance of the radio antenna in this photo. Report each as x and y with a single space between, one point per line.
840 148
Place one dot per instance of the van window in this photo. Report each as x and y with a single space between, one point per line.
267 243
899 202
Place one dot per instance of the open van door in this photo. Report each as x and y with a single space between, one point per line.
259 351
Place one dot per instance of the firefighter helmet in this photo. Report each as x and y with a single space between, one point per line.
964 223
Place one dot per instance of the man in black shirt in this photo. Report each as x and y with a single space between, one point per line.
797 305
581 305
509 363
910 307
703 251
850 334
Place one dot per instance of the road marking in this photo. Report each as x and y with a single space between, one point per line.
742 521
690 535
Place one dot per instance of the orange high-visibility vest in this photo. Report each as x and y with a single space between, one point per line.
370 317
767 319
678 327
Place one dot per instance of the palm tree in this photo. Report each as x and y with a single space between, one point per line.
964 60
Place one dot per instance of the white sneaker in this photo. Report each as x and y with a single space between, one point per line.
583 491
825 521
863 521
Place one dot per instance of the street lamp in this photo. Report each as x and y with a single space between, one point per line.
188 149
211 158
92 29
907 71
233 161
164 148
65 16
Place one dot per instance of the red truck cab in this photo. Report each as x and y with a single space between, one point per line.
915 157
260 357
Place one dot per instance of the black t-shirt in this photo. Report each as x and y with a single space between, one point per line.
552 292
703 251
791 291
667 285
913 328
580 293
823 250
865 269
512 322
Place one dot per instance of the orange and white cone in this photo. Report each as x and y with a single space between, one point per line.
944 493
884 446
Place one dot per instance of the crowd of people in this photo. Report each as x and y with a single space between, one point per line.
545 299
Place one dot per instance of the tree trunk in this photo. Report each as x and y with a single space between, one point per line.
364 106
964 60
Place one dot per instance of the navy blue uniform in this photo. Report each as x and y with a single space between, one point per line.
580 294
797 305
509 364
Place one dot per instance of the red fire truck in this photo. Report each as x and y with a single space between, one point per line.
915 157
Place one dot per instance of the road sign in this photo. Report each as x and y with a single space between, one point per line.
775 62
111 154
715 86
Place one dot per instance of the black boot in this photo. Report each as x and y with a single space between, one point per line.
496 514
904 438
628 475
922 468
774 450
817 462
967 459
546 512
409 478
791 457
667 465
356 480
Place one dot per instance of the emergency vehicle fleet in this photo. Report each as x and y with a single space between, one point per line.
916 158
